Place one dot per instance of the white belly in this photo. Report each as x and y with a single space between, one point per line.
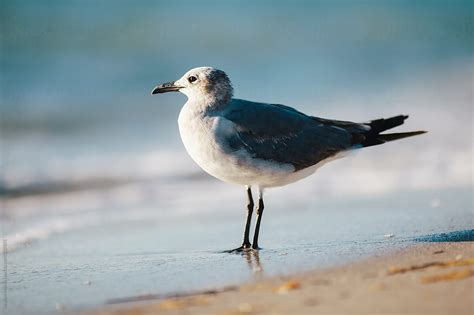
199 136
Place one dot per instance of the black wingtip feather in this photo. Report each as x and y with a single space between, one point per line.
382 138
374 136
399 135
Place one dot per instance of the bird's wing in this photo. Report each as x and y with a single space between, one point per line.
282 134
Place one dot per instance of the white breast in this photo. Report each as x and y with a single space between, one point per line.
199 134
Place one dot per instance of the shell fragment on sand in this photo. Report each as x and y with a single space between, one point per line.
286 287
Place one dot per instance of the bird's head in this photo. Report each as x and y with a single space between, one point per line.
203 83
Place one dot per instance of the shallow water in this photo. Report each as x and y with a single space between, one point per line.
160 253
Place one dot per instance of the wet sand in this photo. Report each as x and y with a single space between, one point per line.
429 278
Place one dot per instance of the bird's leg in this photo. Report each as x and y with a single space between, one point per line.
259 219
246 242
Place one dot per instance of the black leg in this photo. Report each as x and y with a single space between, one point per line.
259 219
246 242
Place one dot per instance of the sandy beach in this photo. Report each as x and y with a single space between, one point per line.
429 278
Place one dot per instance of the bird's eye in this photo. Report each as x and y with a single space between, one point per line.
192 78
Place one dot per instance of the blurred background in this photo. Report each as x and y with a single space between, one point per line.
89 157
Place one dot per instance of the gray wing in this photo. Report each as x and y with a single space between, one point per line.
282 134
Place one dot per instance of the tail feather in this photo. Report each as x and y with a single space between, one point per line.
379 125
374 136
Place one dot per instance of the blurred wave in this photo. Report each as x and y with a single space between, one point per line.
441 158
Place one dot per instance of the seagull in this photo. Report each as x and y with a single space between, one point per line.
262 145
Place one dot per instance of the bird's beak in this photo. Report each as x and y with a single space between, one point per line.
166 87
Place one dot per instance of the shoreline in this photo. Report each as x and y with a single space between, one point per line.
435 278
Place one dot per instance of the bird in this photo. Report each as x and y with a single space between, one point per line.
262 145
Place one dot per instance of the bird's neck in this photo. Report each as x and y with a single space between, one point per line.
206 102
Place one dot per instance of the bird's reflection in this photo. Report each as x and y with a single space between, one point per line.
252 257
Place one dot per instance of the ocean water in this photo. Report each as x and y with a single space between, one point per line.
99 201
